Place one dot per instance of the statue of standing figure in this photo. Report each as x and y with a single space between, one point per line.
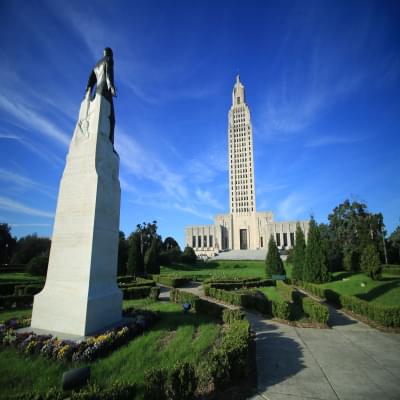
102 76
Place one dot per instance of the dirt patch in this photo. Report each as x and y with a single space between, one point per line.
166 339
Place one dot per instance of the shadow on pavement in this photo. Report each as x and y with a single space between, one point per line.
278 357
337 318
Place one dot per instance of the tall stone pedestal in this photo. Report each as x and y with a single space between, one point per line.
81 295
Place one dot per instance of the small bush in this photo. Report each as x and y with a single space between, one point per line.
8 302
182 381
229 315
171 281
21 290
316 311
136 292
395 270
154 293
281 310
155 382
370 262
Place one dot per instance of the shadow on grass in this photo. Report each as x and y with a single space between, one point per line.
379 290
341 276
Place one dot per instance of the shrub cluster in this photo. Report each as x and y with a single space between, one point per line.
315 311
229 315
385 315
198 304
178 383
7 302
135 292
89 350
21 290
387 269
241 284
281 310
8 288
171 281
116 391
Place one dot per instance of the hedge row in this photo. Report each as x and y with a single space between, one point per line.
229 315
21 290
8 288
232 280
315 311
287 291
134 292
171 281
391 270
384 315
241 284
198 304
7 302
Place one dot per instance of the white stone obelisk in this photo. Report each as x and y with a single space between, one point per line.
81 296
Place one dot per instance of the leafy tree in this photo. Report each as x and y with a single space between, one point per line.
273 262
147 232
151 262
189 255
122 254
370 262
38 265
7 243
171 252
135 265
315 268
299 254
394 246
333 250
28 247
170 243
354 228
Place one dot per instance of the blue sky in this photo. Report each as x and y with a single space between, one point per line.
322 82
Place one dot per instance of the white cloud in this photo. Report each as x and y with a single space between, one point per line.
19 208
31 119
292 207
207 199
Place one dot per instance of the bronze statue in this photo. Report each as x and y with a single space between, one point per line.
102 76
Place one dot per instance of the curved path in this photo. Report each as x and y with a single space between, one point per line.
350 361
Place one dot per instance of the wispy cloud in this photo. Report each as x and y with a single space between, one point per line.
206 198
291 207
329 140
32 120
8 204
25 183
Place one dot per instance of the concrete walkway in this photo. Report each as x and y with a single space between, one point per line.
350 361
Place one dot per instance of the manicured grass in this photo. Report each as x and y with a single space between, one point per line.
272 293
385 291
177 336
218 269
20 277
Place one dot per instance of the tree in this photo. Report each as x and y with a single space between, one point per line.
135 265
299 254
354 228
151 262
7 243
315 268
333 251
38 265
370 262
171 252
273 262
122 254
28 247
394 246
170 243
189 256
147 232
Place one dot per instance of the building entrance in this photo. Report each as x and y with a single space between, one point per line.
243 239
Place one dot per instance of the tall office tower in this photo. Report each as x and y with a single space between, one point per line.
242 199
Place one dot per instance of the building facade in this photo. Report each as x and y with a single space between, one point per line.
243 228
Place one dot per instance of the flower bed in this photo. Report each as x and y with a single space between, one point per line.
65 350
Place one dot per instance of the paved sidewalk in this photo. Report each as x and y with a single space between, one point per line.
351 361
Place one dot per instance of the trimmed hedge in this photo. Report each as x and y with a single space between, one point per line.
8 288
21 290
391 270
316 311
7 302
171 281
229 315
241 284
281 310
198 304
136 292
388 316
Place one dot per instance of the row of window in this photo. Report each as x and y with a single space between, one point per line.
210 241
285 239
239 210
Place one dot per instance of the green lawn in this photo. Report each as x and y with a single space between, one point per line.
218 269
272 293
20 277
385 291
177 336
